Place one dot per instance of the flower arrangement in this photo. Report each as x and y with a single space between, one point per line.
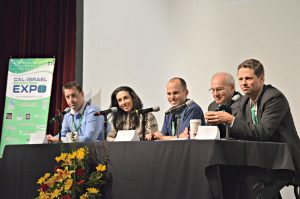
72 177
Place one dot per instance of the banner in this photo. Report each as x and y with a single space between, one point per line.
28 91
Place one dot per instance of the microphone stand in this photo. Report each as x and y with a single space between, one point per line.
105 127
144 118
227 131
178 120
225 108
59 129
60 120
228 110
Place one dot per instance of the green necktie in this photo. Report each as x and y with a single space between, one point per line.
254 116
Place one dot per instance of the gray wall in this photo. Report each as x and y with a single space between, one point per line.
143 43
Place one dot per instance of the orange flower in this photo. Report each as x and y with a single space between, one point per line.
63 174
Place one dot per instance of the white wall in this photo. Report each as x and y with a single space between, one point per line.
143 43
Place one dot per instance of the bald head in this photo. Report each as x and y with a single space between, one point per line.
181 82
222 87
226 77
176 91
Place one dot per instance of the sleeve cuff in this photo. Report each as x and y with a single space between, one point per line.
232 122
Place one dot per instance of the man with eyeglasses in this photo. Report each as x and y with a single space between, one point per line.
224 94
262 114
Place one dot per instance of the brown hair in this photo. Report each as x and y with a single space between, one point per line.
253 64
72 84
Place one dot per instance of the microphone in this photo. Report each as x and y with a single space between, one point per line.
226 107
60 115
106 112
179 108
146 110
236 98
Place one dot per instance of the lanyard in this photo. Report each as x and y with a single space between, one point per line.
74 124
80 120
173 128
254 114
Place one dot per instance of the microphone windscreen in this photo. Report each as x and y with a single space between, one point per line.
114 109
67 110
156 108
221 107
189 102
236 97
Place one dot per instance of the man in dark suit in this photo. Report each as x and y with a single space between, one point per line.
224 94
262 114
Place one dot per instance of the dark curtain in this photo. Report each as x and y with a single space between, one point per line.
38 29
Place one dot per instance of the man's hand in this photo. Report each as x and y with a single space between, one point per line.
157 135
218 117
185 133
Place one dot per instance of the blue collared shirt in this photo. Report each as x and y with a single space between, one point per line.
87 126
191 112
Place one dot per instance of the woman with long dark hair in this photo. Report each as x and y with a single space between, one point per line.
126 100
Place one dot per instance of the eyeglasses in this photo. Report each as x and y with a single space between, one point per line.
217 90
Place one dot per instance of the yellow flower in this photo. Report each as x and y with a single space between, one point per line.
44 195
67 161
72 156
92 190
68 184
61 157
101 167
80 153
84 196
42 179
62 182
55 193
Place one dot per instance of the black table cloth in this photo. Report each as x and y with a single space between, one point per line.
183 169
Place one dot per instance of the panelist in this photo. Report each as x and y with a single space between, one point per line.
262 114
224 94
177 93
127 102
80 120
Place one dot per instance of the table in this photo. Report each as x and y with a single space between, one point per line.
162 169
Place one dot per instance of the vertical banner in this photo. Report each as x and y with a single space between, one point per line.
28 91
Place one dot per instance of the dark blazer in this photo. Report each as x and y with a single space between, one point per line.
275 121
213 107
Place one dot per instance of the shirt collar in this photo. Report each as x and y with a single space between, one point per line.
229 100
80 111
255 101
